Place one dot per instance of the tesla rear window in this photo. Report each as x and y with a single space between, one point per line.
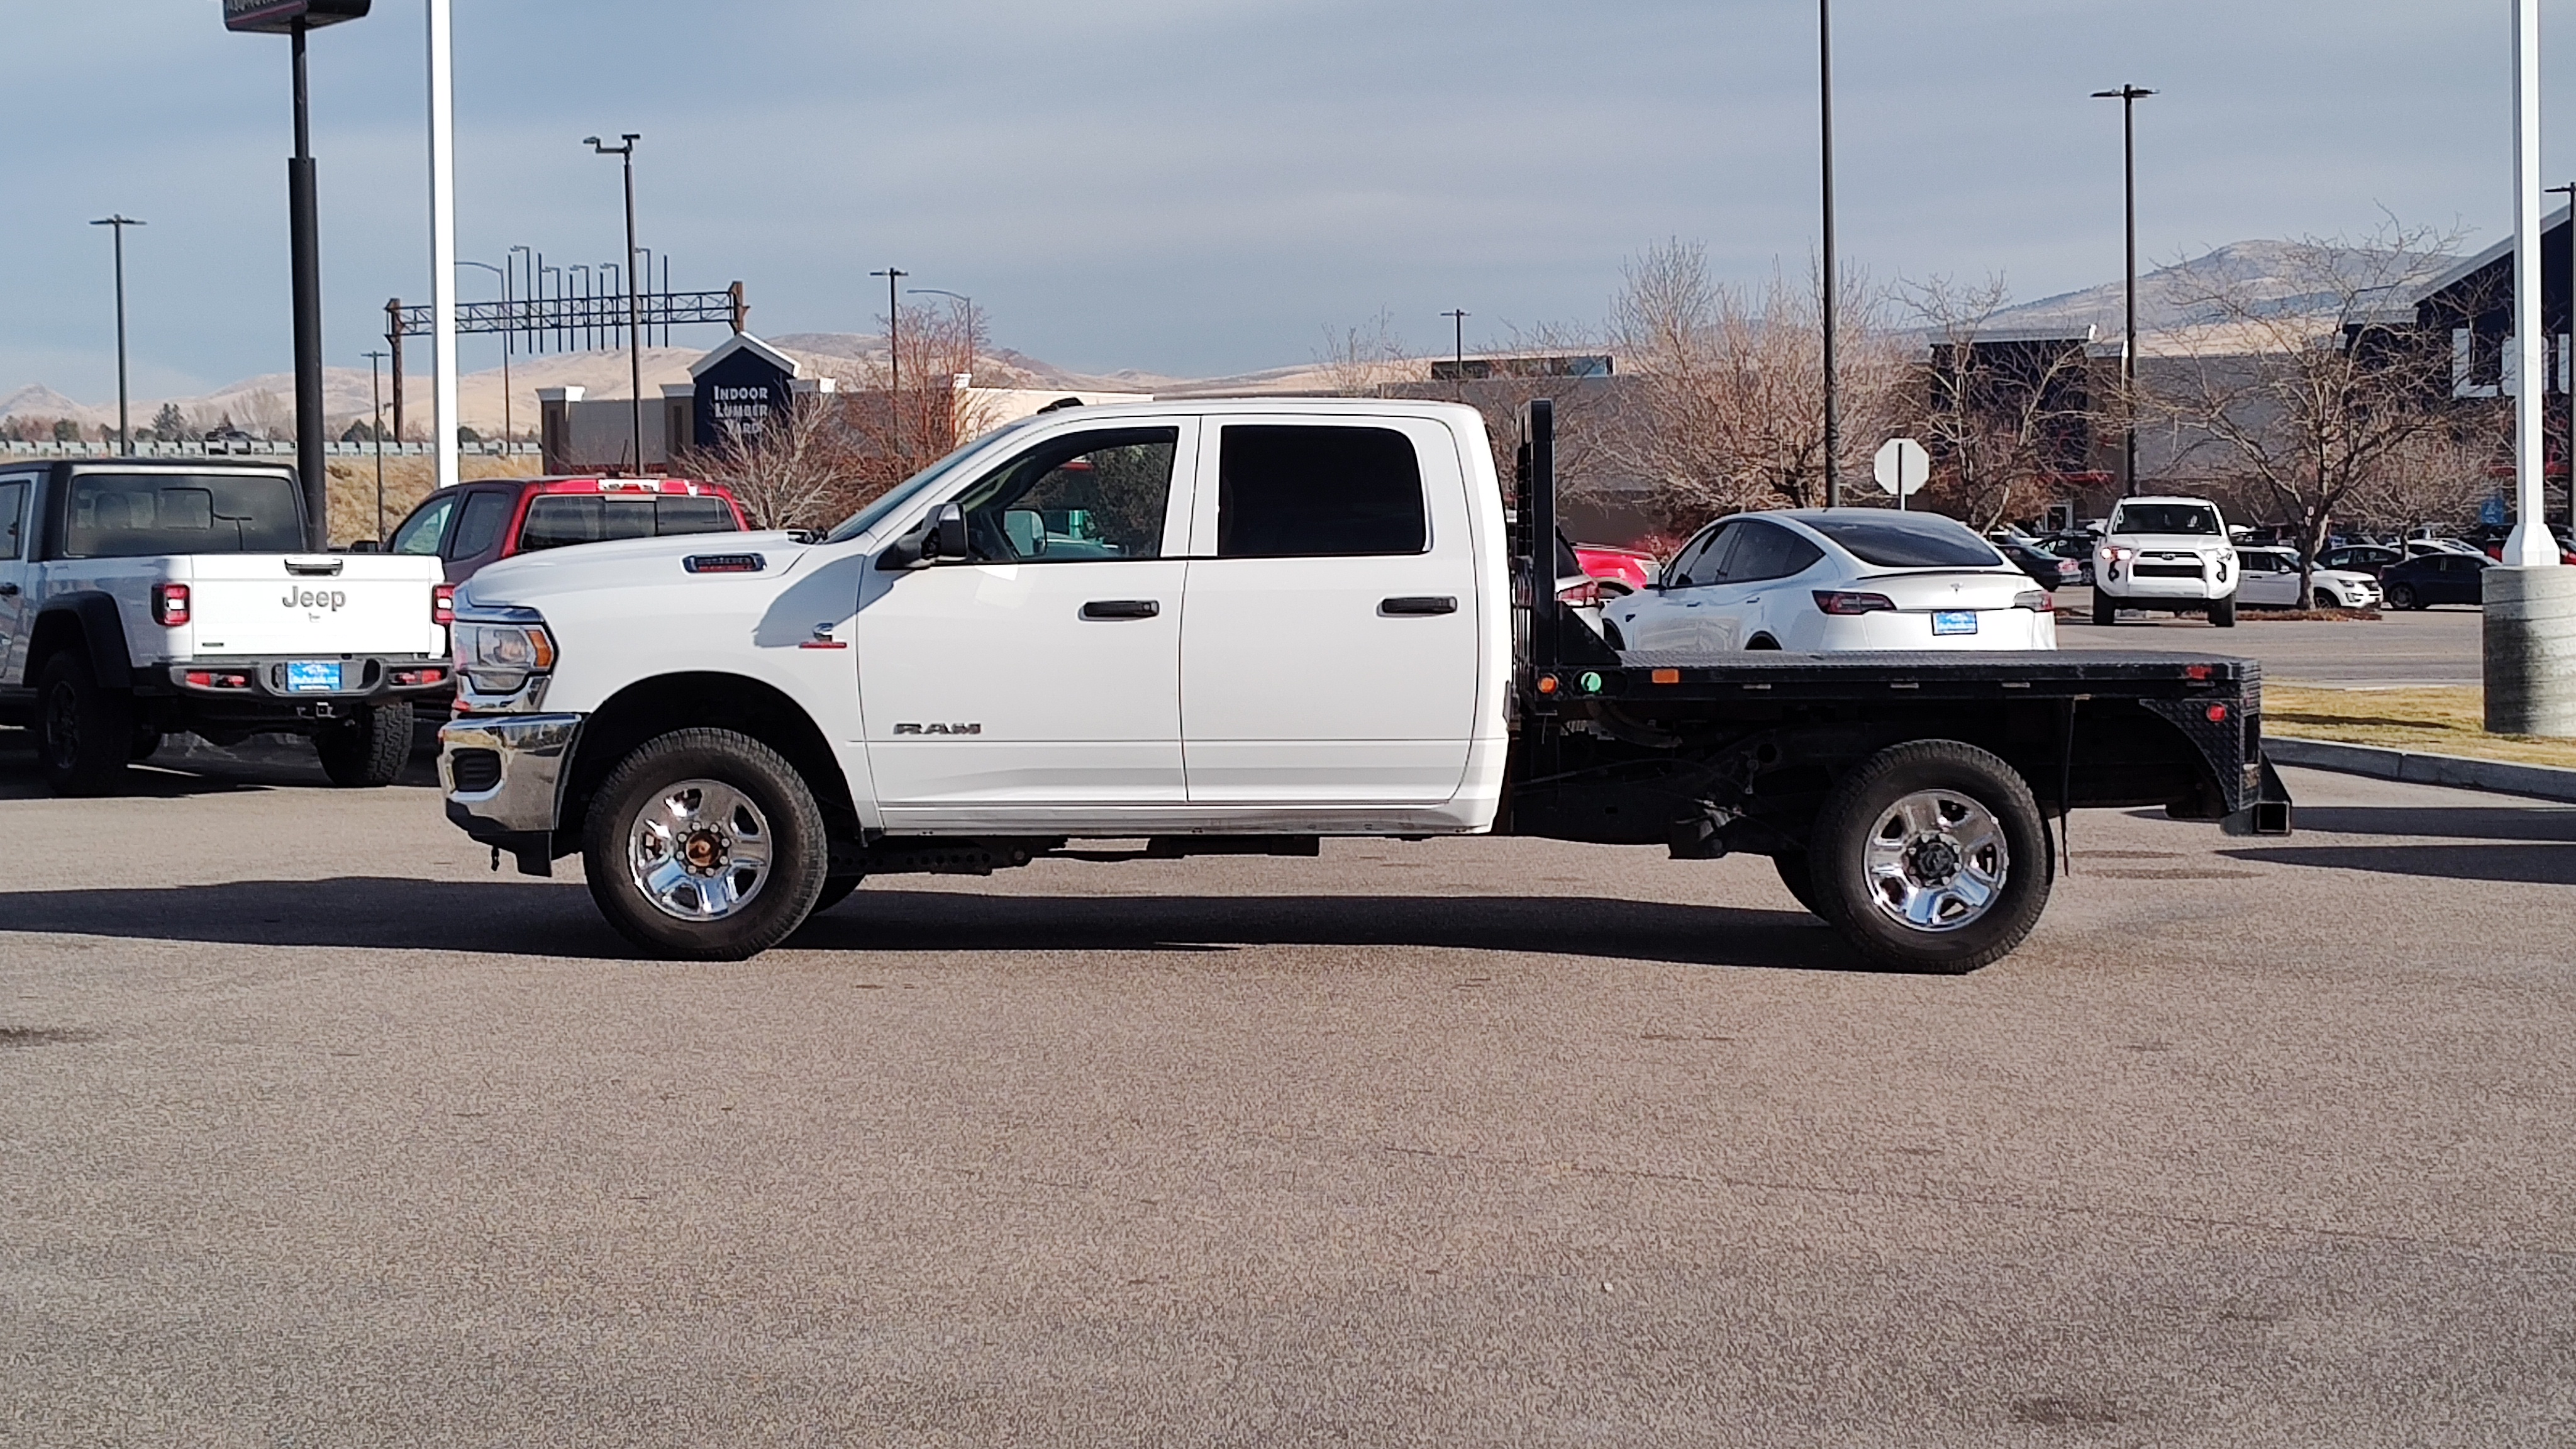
1918 542
142 515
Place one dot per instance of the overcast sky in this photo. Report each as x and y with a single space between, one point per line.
1203 186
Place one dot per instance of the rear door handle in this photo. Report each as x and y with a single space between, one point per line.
1418 605
1121 609
8 591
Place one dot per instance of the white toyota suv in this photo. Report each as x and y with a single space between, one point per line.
2165 553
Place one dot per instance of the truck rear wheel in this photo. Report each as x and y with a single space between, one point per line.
704 845
84 731
1932 856
367 752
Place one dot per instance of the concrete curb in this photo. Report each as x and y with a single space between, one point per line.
2457 771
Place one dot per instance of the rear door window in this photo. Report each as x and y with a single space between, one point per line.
487 512
141 515
1708 566
13 520
1290 491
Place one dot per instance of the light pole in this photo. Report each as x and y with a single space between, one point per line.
1833 265
1458 349
442 237
511 337
554 313
581 299
894 359
505 348
124 432
376 427
625 153
2128 96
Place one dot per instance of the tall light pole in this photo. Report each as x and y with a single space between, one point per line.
509 339
894 359
505 348
2128 96
442 238
124 428
376 428
554 313
625 153
1833 265
293 18
1458 349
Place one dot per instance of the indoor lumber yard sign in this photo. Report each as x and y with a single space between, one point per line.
278 17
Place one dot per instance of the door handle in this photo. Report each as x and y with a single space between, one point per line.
8 591
1416 606
1121 609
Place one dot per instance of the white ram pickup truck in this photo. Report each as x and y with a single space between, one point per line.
142 598
2166 553
1239 627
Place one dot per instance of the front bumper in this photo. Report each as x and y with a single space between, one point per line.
504 777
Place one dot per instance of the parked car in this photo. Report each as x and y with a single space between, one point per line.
2437 578
2359 558
1816 581
2566 547
2270 580
474 524
2165 553
2419 547
2048 570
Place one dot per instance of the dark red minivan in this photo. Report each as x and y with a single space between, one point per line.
473 524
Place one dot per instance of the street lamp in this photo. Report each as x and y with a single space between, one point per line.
2128 96
507 319
1833 266
376 388
124 433
625 153
894 360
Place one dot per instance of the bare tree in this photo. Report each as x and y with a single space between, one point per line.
2000 417
1725 400
903 407
801 470
2438 477
1366 360
2307 383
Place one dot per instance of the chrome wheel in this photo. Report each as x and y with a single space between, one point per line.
699 850
1936 861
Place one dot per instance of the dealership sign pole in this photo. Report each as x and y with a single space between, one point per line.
2530 615
292 18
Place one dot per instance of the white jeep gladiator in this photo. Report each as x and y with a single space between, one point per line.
145 598
2166 553
1239 627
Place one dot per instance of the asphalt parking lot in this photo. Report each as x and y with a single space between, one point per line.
2427 646
314 1131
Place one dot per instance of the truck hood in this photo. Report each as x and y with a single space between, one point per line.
529 579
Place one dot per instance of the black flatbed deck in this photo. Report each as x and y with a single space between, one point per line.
1676 676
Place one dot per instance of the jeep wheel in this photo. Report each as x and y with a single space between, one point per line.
704 845
1932 856
367 752
2222 612
84 732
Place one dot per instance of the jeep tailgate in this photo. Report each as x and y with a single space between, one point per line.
268 605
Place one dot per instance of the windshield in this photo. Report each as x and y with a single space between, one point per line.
2175 518
892 501
144 515
1910 541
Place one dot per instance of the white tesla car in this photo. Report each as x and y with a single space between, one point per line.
1818 581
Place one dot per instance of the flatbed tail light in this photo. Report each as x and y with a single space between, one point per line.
1844 602
442 605
170 605
2038 601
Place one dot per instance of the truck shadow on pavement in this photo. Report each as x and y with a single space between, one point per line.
2519 845
527 918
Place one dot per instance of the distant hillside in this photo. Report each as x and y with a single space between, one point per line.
2265 268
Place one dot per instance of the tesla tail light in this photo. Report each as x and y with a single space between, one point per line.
170 605
442 604
1837 601
2035 600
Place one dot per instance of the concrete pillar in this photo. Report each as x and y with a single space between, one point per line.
2531 650
554 426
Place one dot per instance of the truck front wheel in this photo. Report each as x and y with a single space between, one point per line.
85 731
704 845
2106 610
366 752
2222 612
1932 856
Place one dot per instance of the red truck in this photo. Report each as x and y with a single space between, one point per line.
478 523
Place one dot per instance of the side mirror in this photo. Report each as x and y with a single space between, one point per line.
947 533
364 545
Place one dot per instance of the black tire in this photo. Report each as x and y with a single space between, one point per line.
1799 878
2106 610
1944 773
2326 600
368 751
836 889
774 904
2402 597
2222 612
84 731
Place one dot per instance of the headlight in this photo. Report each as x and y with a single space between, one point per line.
497 654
